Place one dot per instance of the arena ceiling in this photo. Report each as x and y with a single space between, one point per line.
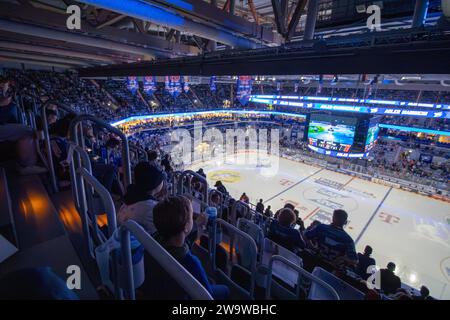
122 32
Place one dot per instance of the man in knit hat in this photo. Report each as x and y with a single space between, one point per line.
141 196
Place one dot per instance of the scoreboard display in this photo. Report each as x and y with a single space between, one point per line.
339 135
331 132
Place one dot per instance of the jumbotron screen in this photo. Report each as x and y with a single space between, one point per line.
332 132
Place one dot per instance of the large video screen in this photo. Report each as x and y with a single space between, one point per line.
372 136
331 132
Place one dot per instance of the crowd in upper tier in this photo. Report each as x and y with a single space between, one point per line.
110 99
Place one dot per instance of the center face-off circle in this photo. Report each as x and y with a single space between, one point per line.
227 176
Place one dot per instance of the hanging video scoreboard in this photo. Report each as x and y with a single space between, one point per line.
339 135
331 132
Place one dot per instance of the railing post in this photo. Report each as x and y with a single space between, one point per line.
48 147
127 264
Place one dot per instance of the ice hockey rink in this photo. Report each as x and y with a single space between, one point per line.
411 230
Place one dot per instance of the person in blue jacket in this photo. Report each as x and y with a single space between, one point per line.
334 244
173 219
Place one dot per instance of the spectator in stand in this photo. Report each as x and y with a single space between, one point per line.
260 206
17 143
16 140
52 116
244 198
165 162
221 188
268 213
299 221
9 113
424 294
201 172
153 158
142 196
389 282
173 218
365 261
335 246
282 231
313 224
60 147
286 206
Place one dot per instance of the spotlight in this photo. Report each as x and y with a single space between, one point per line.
412 278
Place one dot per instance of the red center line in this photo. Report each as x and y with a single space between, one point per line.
311 213
345 184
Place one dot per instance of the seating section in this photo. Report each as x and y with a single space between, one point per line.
106 214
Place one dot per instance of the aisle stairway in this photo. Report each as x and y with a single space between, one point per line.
42 239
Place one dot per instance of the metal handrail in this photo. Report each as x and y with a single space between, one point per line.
301 272
183 277
211 192
86 163
199 177
253 251
110 210
139 151
105 196
236 204
259 237
125 147
176 175
19 103
31 119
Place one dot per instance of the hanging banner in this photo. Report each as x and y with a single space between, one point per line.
296 87
212 83
149 85
167 84
132 83
244 89
185 83
175 84
278 86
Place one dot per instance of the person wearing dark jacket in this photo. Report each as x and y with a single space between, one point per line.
364 262
334 245
260 206
389 282
268 213
201 172
220 187
141 197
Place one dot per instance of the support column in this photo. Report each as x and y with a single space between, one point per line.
232 6
212 45
420 13
311 18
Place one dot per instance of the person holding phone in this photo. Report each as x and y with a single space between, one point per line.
174 221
